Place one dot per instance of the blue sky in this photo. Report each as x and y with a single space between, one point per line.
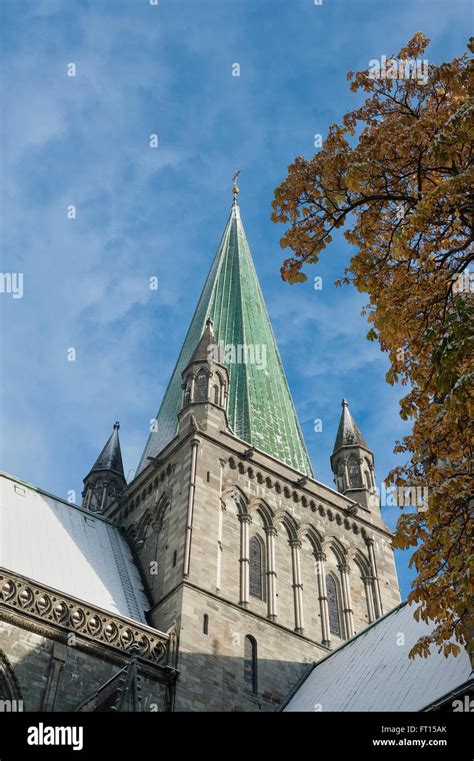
84 140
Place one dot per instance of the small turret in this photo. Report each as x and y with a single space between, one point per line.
352 462
205 384
106 480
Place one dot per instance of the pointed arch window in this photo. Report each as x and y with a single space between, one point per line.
354 471
333 606
256 568
200 394
250 663
216 395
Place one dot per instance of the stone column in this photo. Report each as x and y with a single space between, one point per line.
323 597
270 532
295 545
59 658
245 520
373 568
368 581
104 496
221 508
346 601
346 473
88 496
190 513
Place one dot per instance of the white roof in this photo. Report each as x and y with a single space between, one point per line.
59 544
372 671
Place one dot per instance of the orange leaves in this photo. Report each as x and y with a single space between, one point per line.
402 192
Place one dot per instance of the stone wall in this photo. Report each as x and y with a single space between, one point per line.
31 656
235 498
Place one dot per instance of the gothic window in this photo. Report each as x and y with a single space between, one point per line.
201 387
354 472
250 663
216 394
367 479
333 606
256 568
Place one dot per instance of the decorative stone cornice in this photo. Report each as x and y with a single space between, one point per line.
47 605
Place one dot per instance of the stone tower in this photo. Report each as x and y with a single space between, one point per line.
105 482
255 567
352 462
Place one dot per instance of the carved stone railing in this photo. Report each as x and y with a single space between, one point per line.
50 606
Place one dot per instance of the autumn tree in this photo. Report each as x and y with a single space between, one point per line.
397 175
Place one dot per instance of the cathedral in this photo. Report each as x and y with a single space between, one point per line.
225 570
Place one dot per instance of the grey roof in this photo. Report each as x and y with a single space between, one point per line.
208 339
348 433
77 552
372 671
111 456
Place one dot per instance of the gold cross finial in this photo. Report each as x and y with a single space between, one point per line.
235 188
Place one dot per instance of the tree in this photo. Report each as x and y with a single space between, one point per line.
398 175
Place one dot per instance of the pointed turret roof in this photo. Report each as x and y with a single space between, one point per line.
260 408
208 339
348 433
111 456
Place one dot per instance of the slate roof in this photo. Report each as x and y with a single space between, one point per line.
348 433
233 300
110 458
372 671
77 552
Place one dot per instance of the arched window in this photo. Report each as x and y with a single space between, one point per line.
200 393
367 480
256 570
333 606
354 471
250 663
216 394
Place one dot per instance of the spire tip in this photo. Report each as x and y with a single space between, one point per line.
235 187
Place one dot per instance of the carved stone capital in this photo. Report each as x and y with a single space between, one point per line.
296 543
270 531
245 518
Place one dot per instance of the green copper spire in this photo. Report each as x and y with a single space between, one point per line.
260 409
